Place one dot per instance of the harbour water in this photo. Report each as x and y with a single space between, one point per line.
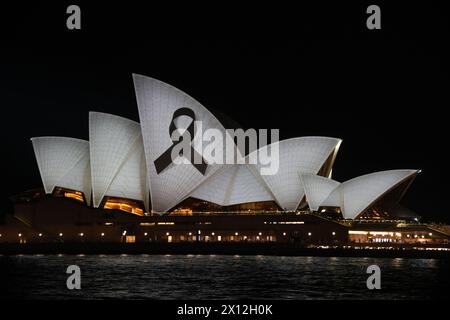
221 277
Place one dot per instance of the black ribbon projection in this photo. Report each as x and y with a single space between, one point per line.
165 159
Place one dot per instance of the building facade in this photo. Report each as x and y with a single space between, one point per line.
119 186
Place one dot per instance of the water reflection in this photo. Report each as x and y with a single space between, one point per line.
221 277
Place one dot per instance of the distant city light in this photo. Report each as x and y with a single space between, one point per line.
20 234
167 234
190 233
212 233
236 234
103 234
81 234
60 234
40 234
333 233
309 233
260 233
124 233
284 233
145 234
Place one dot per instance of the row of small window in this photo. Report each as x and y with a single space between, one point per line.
60 235
124 233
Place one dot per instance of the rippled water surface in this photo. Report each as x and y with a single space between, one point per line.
221 277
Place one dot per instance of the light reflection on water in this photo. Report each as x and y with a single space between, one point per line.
221 277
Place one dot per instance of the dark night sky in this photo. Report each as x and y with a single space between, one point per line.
304 70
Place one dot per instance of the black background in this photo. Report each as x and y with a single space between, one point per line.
307 70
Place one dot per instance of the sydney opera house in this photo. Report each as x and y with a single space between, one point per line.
116 188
